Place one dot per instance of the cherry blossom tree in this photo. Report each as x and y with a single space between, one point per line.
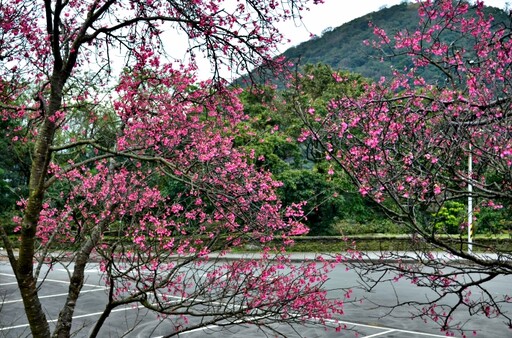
414 145
138 169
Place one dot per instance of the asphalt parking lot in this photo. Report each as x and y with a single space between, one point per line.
132 321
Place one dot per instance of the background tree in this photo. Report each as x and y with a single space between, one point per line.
406 143
14 170
146 177
271 134
333 205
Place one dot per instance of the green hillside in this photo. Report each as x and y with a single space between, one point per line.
342 48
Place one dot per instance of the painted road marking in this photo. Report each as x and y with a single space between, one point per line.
51 296
55 281
74 317
379 334
11 283
384 328
86 270
67 282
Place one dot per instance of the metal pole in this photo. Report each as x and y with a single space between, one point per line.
470 202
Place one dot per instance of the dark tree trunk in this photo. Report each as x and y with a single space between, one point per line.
24 269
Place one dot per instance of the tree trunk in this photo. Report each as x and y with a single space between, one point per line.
24 269
33 309
63 328
101 321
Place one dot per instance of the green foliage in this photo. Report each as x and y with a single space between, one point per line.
271 135
319 85
494 221
14 171
324 203
14 165
450 217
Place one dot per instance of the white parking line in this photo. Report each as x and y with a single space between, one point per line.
403 331
213 326
86 270
50 296
67 282
7 328
420 333
11 283
196 330
390 329
379 334
75 317
7 274
54 281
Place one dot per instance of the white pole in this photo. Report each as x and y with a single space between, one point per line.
470 202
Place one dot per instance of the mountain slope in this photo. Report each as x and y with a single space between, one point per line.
342 48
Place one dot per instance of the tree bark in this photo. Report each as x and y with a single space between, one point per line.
63 328
24 269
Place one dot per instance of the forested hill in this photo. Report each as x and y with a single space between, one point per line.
342 48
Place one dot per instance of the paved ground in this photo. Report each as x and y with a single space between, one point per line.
137 322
